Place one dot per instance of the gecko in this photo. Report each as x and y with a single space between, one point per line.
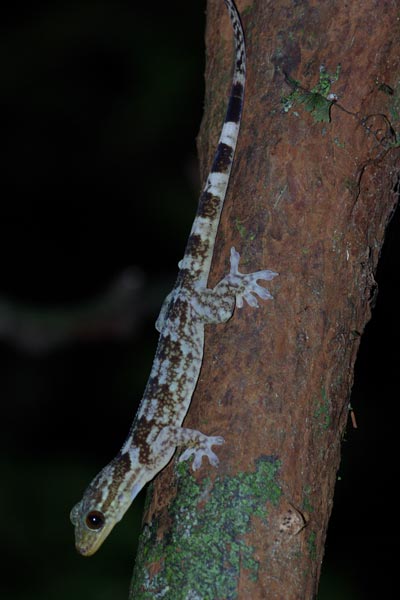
157 429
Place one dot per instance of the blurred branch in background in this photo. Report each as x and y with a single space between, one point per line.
113 314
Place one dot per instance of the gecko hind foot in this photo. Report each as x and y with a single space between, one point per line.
245 284
203 448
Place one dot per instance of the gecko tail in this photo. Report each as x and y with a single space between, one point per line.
200 246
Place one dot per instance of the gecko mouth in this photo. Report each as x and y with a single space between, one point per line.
88 548
85 550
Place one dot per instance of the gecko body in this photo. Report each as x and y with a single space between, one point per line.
157 429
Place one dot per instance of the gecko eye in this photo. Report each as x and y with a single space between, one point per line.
95 520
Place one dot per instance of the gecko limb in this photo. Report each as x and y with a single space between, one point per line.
216 305
199 444
245 285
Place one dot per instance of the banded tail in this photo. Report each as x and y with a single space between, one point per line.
200 246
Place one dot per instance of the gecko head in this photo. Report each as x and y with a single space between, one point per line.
105 502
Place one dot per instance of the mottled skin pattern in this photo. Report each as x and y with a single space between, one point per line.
156 430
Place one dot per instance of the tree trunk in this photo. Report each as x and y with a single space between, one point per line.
315 180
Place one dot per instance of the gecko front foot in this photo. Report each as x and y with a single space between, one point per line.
246 286
203 445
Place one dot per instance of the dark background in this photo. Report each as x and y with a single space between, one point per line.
100 106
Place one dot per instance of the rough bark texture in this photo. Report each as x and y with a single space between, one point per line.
314 184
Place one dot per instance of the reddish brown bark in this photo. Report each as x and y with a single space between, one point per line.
310 200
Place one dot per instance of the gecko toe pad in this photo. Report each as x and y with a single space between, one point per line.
246 286
203 448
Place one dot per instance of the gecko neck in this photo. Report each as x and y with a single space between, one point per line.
200 247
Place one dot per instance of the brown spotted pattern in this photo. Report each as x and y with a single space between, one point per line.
156 430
